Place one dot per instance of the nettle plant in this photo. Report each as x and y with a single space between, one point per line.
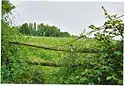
110 68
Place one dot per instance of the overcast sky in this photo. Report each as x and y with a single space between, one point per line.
72 17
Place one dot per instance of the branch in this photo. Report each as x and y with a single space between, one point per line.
76 38
120 16
82 50
44 63
52 64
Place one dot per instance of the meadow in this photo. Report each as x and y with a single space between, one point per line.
49 56
38 55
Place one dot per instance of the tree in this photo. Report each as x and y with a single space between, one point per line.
30 26
6 35
65 34
42 30
34 25
25 29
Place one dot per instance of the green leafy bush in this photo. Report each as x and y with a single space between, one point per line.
12 69
108 69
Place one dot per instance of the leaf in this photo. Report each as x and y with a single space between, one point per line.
99 79
77 77
120 81
118 53
83 79
109 78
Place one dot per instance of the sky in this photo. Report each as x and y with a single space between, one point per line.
70 16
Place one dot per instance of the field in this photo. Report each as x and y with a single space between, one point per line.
38 55
33 53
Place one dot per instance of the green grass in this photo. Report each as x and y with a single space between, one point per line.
33 54
59 41
50 55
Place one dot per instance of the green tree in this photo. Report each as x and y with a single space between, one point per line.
42 30
25 29
30 26
65 34
34 25
6 36
8 33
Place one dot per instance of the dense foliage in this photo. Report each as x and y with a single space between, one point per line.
12 71
108 66
105 67
42 30
8 33
112 27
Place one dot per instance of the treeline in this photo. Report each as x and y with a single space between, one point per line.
34 29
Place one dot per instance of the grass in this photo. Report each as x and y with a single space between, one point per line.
40 55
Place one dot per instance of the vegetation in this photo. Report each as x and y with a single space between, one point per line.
42 30
96 60
108 67
12 71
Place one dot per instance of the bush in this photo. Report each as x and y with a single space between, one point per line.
109 67
12 69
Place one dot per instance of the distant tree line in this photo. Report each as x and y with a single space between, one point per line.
41 30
